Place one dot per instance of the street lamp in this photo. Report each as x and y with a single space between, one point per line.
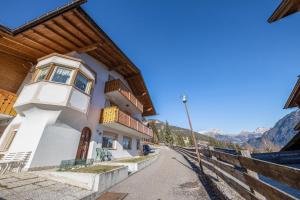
184 100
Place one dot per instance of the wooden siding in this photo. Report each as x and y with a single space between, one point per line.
237 166
7 100
114 115
117 85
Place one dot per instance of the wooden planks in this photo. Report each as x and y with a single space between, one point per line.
7 100
112 196
281 173
237 167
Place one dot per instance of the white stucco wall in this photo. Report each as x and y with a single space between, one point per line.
59 142
53 134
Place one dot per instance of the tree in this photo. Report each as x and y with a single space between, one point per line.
168 135
155 138
179 140
191 143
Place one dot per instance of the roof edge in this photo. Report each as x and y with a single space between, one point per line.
281 11
47 16
289 103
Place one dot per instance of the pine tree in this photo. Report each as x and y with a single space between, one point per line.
179 140
155 138
168 135
191 143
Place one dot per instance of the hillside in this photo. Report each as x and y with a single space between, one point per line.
279 135
178 130
239 139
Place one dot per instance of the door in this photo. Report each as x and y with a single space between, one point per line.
84 143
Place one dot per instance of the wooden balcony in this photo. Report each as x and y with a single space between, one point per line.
7 101
117 119
122 96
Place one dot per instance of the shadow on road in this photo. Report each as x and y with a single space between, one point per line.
204 179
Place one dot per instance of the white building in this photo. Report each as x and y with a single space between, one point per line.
67 105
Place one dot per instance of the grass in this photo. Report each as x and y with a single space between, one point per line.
135 160
97 169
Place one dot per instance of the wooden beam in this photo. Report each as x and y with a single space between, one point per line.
106 40
100 58
131 76
50 39
142 95
31 48
116 67
64 29
88 48
13 52
60 35
39 43
65 18
101 37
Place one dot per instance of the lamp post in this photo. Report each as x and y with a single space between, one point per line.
184 100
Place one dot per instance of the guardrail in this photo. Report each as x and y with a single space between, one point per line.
241 173
118 85
114 115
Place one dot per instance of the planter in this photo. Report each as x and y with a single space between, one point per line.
90 181
134 167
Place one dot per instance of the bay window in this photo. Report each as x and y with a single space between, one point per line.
42 74
62 75
81 82
66 75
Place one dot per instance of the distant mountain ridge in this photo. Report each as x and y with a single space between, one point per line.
261 139
280 134
240 138
178 130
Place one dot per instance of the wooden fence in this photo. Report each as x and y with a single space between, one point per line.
241 173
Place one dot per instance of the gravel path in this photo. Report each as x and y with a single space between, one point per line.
169 177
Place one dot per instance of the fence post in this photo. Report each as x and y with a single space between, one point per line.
211 148
246 153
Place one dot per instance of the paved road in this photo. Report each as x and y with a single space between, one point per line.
170 177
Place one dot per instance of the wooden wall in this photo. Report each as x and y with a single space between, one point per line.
12 72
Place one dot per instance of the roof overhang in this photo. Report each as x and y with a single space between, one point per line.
294 98
68 29
293 144
286 8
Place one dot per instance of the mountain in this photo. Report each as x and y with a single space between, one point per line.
240 138
178 130
279 135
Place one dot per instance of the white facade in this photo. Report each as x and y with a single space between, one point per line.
52 115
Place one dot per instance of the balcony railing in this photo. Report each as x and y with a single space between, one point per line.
114 115
7 101
117 85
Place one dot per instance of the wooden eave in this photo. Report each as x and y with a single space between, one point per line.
294 98
293 144
68 29
286 8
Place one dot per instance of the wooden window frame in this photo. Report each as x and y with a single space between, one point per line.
73 76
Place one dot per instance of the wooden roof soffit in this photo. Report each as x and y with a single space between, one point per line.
68 29
286 8
294 98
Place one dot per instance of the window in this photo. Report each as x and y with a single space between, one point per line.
107 142
138 144
42 74
9 139
81 82
126 143
62 75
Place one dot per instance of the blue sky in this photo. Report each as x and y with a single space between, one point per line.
237 69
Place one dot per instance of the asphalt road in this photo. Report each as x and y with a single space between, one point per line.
170 177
